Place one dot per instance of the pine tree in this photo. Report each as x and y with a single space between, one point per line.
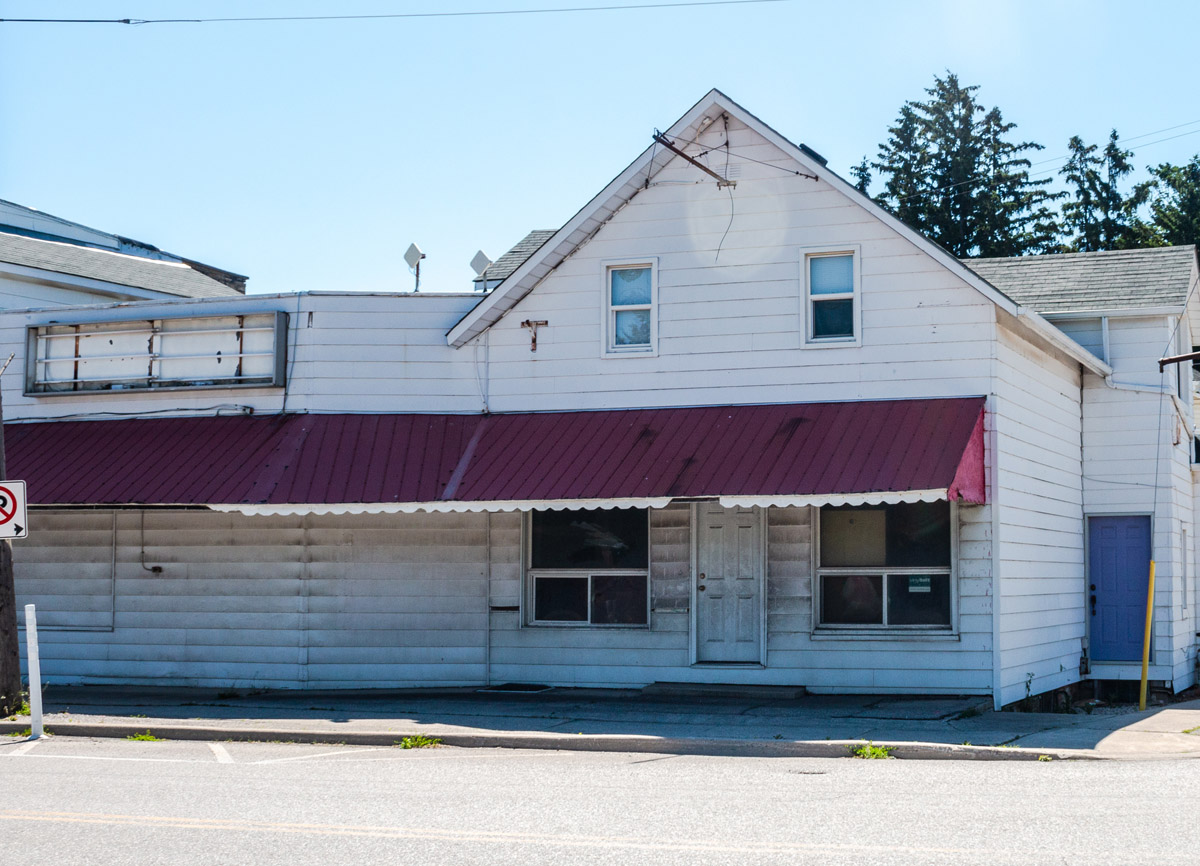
904 162
1175 205
862 175
1100 216
951 172
1014 213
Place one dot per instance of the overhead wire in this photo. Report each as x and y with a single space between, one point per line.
1049 170
378 16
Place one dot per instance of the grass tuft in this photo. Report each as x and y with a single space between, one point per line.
147 737
870 751
419 741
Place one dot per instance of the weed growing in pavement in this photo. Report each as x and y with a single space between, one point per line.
871 751
419 741
1045 758
147 737
22 710
1195 730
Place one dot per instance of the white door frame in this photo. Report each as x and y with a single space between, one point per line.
694 550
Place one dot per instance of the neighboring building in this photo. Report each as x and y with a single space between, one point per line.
48 261
756 434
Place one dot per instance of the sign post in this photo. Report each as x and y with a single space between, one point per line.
35 672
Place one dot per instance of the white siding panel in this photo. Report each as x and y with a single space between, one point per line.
1039 491
363 601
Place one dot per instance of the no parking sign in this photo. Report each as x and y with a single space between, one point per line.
12 510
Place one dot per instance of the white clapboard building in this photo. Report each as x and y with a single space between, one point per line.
735 425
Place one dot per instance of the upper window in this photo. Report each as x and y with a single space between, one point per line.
830 281
589 567
885 565
631 316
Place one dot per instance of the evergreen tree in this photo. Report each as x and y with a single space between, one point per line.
1100 216
951 172
904 163
862 175
1014 213
1175 205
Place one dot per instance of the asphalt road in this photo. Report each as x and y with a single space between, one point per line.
76 801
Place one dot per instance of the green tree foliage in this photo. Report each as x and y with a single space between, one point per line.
862 175
1175 202
1099 216
950 171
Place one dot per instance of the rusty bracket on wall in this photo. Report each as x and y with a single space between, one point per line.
533 329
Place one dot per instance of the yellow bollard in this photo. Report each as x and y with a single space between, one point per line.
1146 638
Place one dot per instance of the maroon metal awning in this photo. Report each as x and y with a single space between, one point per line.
855 451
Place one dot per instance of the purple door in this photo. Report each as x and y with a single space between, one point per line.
1118 572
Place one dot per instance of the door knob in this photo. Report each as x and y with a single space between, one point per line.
700 587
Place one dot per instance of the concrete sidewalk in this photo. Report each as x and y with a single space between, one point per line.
661 720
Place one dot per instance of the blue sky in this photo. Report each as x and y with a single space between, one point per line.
308 155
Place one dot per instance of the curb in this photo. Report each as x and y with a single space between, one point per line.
903 750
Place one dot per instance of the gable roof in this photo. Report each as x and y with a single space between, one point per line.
156 275
17 219
592 217
502 268
1112 280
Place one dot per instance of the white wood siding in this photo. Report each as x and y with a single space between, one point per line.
346 353
1040 586
1137 448
954 664
730 323
17 294
730 319
318 602
402 600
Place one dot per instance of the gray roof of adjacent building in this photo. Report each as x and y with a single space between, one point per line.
23 221
178 278
1110 280
503 267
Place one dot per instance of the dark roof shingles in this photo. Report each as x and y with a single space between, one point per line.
503 267
170 278
1112 280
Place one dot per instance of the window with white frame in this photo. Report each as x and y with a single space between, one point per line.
588 567
830 281
885 566
631 320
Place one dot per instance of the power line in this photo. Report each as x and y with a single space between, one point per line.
465 14
1134 138
1050 170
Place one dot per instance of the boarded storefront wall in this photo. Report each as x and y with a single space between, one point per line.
403 600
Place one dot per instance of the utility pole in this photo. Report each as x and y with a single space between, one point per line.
10 657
